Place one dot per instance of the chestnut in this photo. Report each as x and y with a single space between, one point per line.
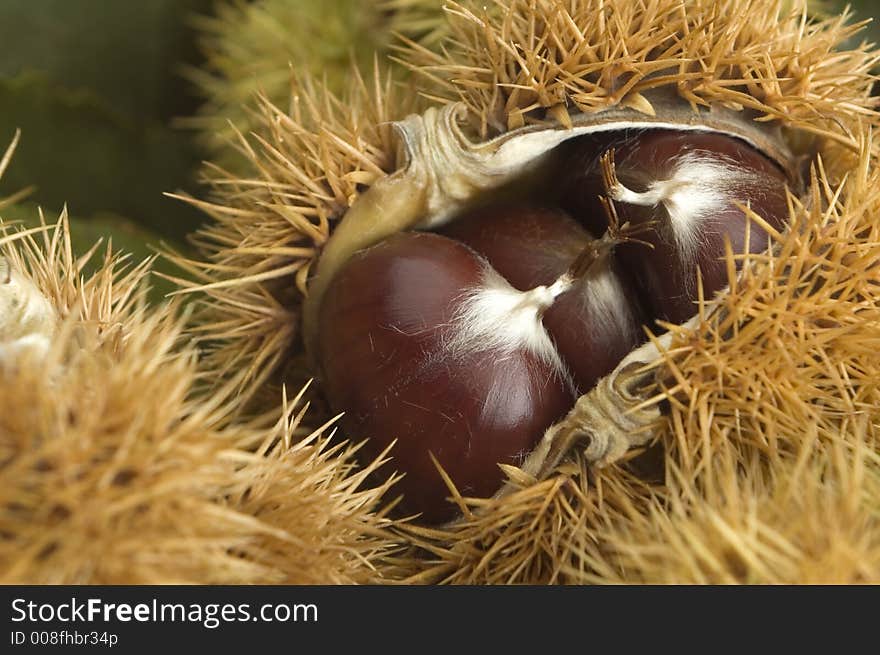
690 183
423 342
528 245
593 324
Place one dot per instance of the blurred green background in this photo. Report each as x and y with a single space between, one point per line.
95 86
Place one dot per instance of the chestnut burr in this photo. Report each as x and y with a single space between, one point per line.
465 346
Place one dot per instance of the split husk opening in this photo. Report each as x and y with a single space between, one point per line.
443 172
749 395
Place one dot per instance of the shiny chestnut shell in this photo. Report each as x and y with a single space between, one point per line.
665 276
385 323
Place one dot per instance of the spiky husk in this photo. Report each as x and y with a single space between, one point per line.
113 470
306 171
254 48
517 62
779 521
759 391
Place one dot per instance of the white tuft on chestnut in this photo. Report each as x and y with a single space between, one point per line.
691 185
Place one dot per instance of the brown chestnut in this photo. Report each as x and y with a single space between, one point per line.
528 245
421 341
690 183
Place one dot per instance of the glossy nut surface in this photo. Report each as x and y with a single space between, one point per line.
400 357
385 324
709 174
